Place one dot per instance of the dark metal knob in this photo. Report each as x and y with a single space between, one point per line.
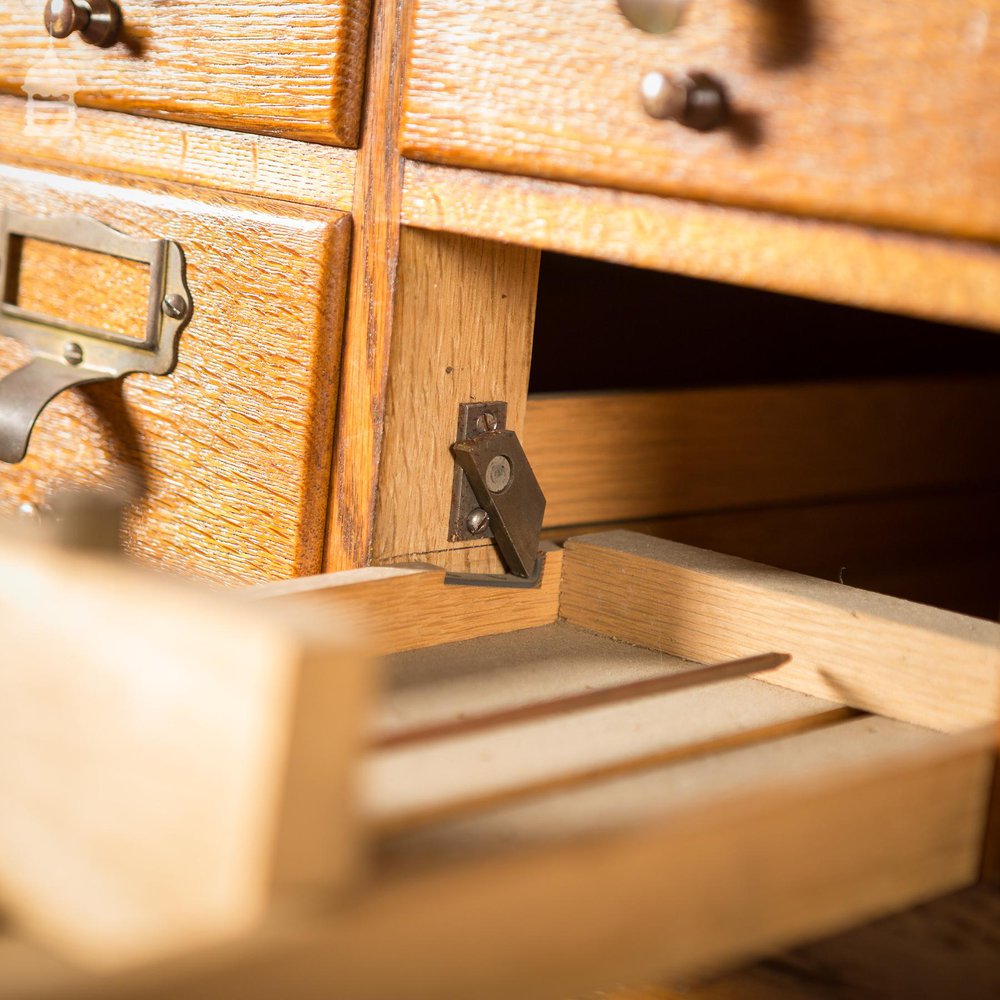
655 16
695 100
98 21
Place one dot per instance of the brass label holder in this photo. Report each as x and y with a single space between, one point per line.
67 354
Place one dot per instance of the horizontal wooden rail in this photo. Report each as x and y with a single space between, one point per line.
603 457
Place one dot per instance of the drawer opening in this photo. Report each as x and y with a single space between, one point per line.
835 441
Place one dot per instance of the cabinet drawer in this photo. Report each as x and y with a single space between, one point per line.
550 793
289 69
231 450
879 112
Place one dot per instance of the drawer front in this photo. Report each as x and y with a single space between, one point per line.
291 69
882 112
232 449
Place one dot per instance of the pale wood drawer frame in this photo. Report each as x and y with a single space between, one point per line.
780 861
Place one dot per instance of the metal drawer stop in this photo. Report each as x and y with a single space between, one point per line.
66 354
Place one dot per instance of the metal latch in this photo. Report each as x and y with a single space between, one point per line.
495 494
67 354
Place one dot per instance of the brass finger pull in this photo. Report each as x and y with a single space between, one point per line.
655 16
99 22
66 354
695 100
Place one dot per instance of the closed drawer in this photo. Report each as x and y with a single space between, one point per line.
290 69
548 795
231 451
881 112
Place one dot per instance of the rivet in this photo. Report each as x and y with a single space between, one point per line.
498 474
29 511
175 306
477 521
73 354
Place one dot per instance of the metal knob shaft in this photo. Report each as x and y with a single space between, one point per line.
655 16
695 100
98 21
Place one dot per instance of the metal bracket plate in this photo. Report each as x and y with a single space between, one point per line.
67 354
495 470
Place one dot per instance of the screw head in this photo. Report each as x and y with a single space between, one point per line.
73 354
477 521
175 306
487 423
498 474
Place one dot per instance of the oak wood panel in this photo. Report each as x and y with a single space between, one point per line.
233 449
172 761
859 118
464 320
193 154
371 301
665 899
946 280
292 69
615 456
411 607
871 652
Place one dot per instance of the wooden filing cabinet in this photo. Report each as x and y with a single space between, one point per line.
364 200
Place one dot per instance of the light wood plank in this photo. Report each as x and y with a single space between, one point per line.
902 660
836 112
411 607
465 314
172 762
173 151
945 280
233 448
615 456
666 899
294 71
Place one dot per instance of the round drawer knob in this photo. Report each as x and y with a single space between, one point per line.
695 100
98 21
655 16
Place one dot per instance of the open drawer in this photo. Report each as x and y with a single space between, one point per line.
548 796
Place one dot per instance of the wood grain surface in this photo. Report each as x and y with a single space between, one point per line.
869 651
244 163
232 449
662 899
371 301
292 69
172 761
464 321
946 280
411 607
615 456
945 948
881 112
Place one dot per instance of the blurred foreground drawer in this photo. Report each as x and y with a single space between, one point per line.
231 451
880 112
289 69
547 795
